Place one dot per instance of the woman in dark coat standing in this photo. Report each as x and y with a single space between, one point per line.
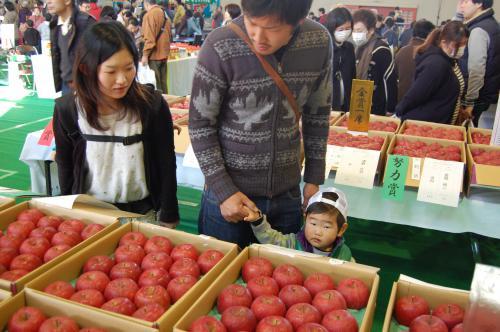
435 93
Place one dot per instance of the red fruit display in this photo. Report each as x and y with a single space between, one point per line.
13 275
120 305
318 282
91 230
410 307
50 221
184 251
59 324
158 259
92 329
329 300
91 297
26 319
355 293
288 274
263 286
312 327
99 263
208 259
130 253
183 106
340 321
11 241
256 267
184 266
28 262
428 131
6 256
292 294
239 318
458 328
158 243
424 150
450 314
125 270
2 269
302 313
178 286
33 215
37 246
74 225
360 142
207 324
133 238
234 295
388 126
60 289
152 294
21 228
480 138
92 280
268 305
46 232
55 251
153 277
483 157
150 312
124 287
428 323
274 324
69 237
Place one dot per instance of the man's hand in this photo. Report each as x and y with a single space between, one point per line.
144 60
232 209
309 190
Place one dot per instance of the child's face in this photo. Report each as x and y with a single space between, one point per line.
321 230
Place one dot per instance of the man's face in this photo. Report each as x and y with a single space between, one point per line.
469 8
85 7
267 33
56 7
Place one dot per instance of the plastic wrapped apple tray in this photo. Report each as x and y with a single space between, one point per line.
53 307
9 215
373 118
71 269
408 123
306 263
434 295
6 202
482 174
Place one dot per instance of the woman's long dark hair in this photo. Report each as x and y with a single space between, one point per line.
453 31
99 43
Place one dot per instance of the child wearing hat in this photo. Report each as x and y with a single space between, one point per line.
326 223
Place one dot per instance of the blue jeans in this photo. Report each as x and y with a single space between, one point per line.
284 213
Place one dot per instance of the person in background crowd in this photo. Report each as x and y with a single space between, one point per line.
109 106
24 11
198 16
84 6
32 36
135 29
481 62
390 34
406 36
179 19
156 30
312 17
37 17
231 11
339 24
398 17
44 28
108 13
435 93
66 28
379 26
405 58
374 62
95 10
192 26
217 18
322 16
124 16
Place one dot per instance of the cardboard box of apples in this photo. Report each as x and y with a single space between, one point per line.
479 136
417 306
180 111
36 236
268 288
377 123
483 163
6 202
141 273
433 130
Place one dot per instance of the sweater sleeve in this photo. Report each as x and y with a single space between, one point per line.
209 88
384 76
267 235
479 41
64 152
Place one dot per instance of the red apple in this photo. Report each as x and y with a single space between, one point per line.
428 323
60 289
124 287
45 232
158 243
340 321
74 225
55 251
256 267
150 312
6 256
302 313
329 300
184 266
233 295
13 275
11 241
410 307
312 327
99 263
28 262
129 253
208 259
2 269
92 280
207 324
21 228
239 318
263 286
120 305
91 230
26 319
450 314
157 259
318 282
355 293
184 251
458 328
133 238
268 305
292 294
68 237
37 246
287 274
91 297
59 324
33 215
179 286
50 221
152 294
153 277
125 270
274 324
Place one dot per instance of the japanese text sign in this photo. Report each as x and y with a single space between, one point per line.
361 105
395 177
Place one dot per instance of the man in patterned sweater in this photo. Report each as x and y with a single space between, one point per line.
243 130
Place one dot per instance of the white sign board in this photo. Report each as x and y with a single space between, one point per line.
441 182
357 168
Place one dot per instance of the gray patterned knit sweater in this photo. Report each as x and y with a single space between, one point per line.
243 130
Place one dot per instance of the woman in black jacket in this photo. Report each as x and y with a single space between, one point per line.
114 137
434 95
339 23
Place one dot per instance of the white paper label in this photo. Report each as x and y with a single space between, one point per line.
190 158
357 168
415 169
441 182
334 155
495 136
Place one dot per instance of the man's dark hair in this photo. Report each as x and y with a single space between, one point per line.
365 16
422 29
389 22
48 17
29 23
287 11
189 13
397 8
337 17
233 10
133 21
9 6
128 14
109 13
485 3
380 18
392 14
320 208
321 10
81 2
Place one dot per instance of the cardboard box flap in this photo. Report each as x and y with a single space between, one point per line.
69 201
406 279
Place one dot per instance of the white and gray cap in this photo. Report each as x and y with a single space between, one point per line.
340 203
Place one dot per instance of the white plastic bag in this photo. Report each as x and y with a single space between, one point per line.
146 75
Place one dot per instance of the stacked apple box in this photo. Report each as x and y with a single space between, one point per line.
254 278
151 284
6 202
377 123
483 164
411 298
54 315
479 136
39 236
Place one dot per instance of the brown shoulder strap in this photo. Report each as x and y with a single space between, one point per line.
270 70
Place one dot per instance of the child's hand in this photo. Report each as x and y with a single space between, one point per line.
251 215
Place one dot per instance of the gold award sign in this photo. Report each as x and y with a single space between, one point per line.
361 105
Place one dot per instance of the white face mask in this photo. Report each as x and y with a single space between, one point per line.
342 36
359 38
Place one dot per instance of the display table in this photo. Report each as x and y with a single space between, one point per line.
180 76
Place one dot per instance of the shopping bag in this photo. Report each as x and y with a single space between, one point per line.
146 75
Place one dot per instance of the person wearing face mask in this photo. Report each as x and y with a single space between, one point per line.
374 61
339 23
438 84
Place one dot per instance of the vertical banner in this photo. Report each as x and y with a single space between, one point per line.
361 105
